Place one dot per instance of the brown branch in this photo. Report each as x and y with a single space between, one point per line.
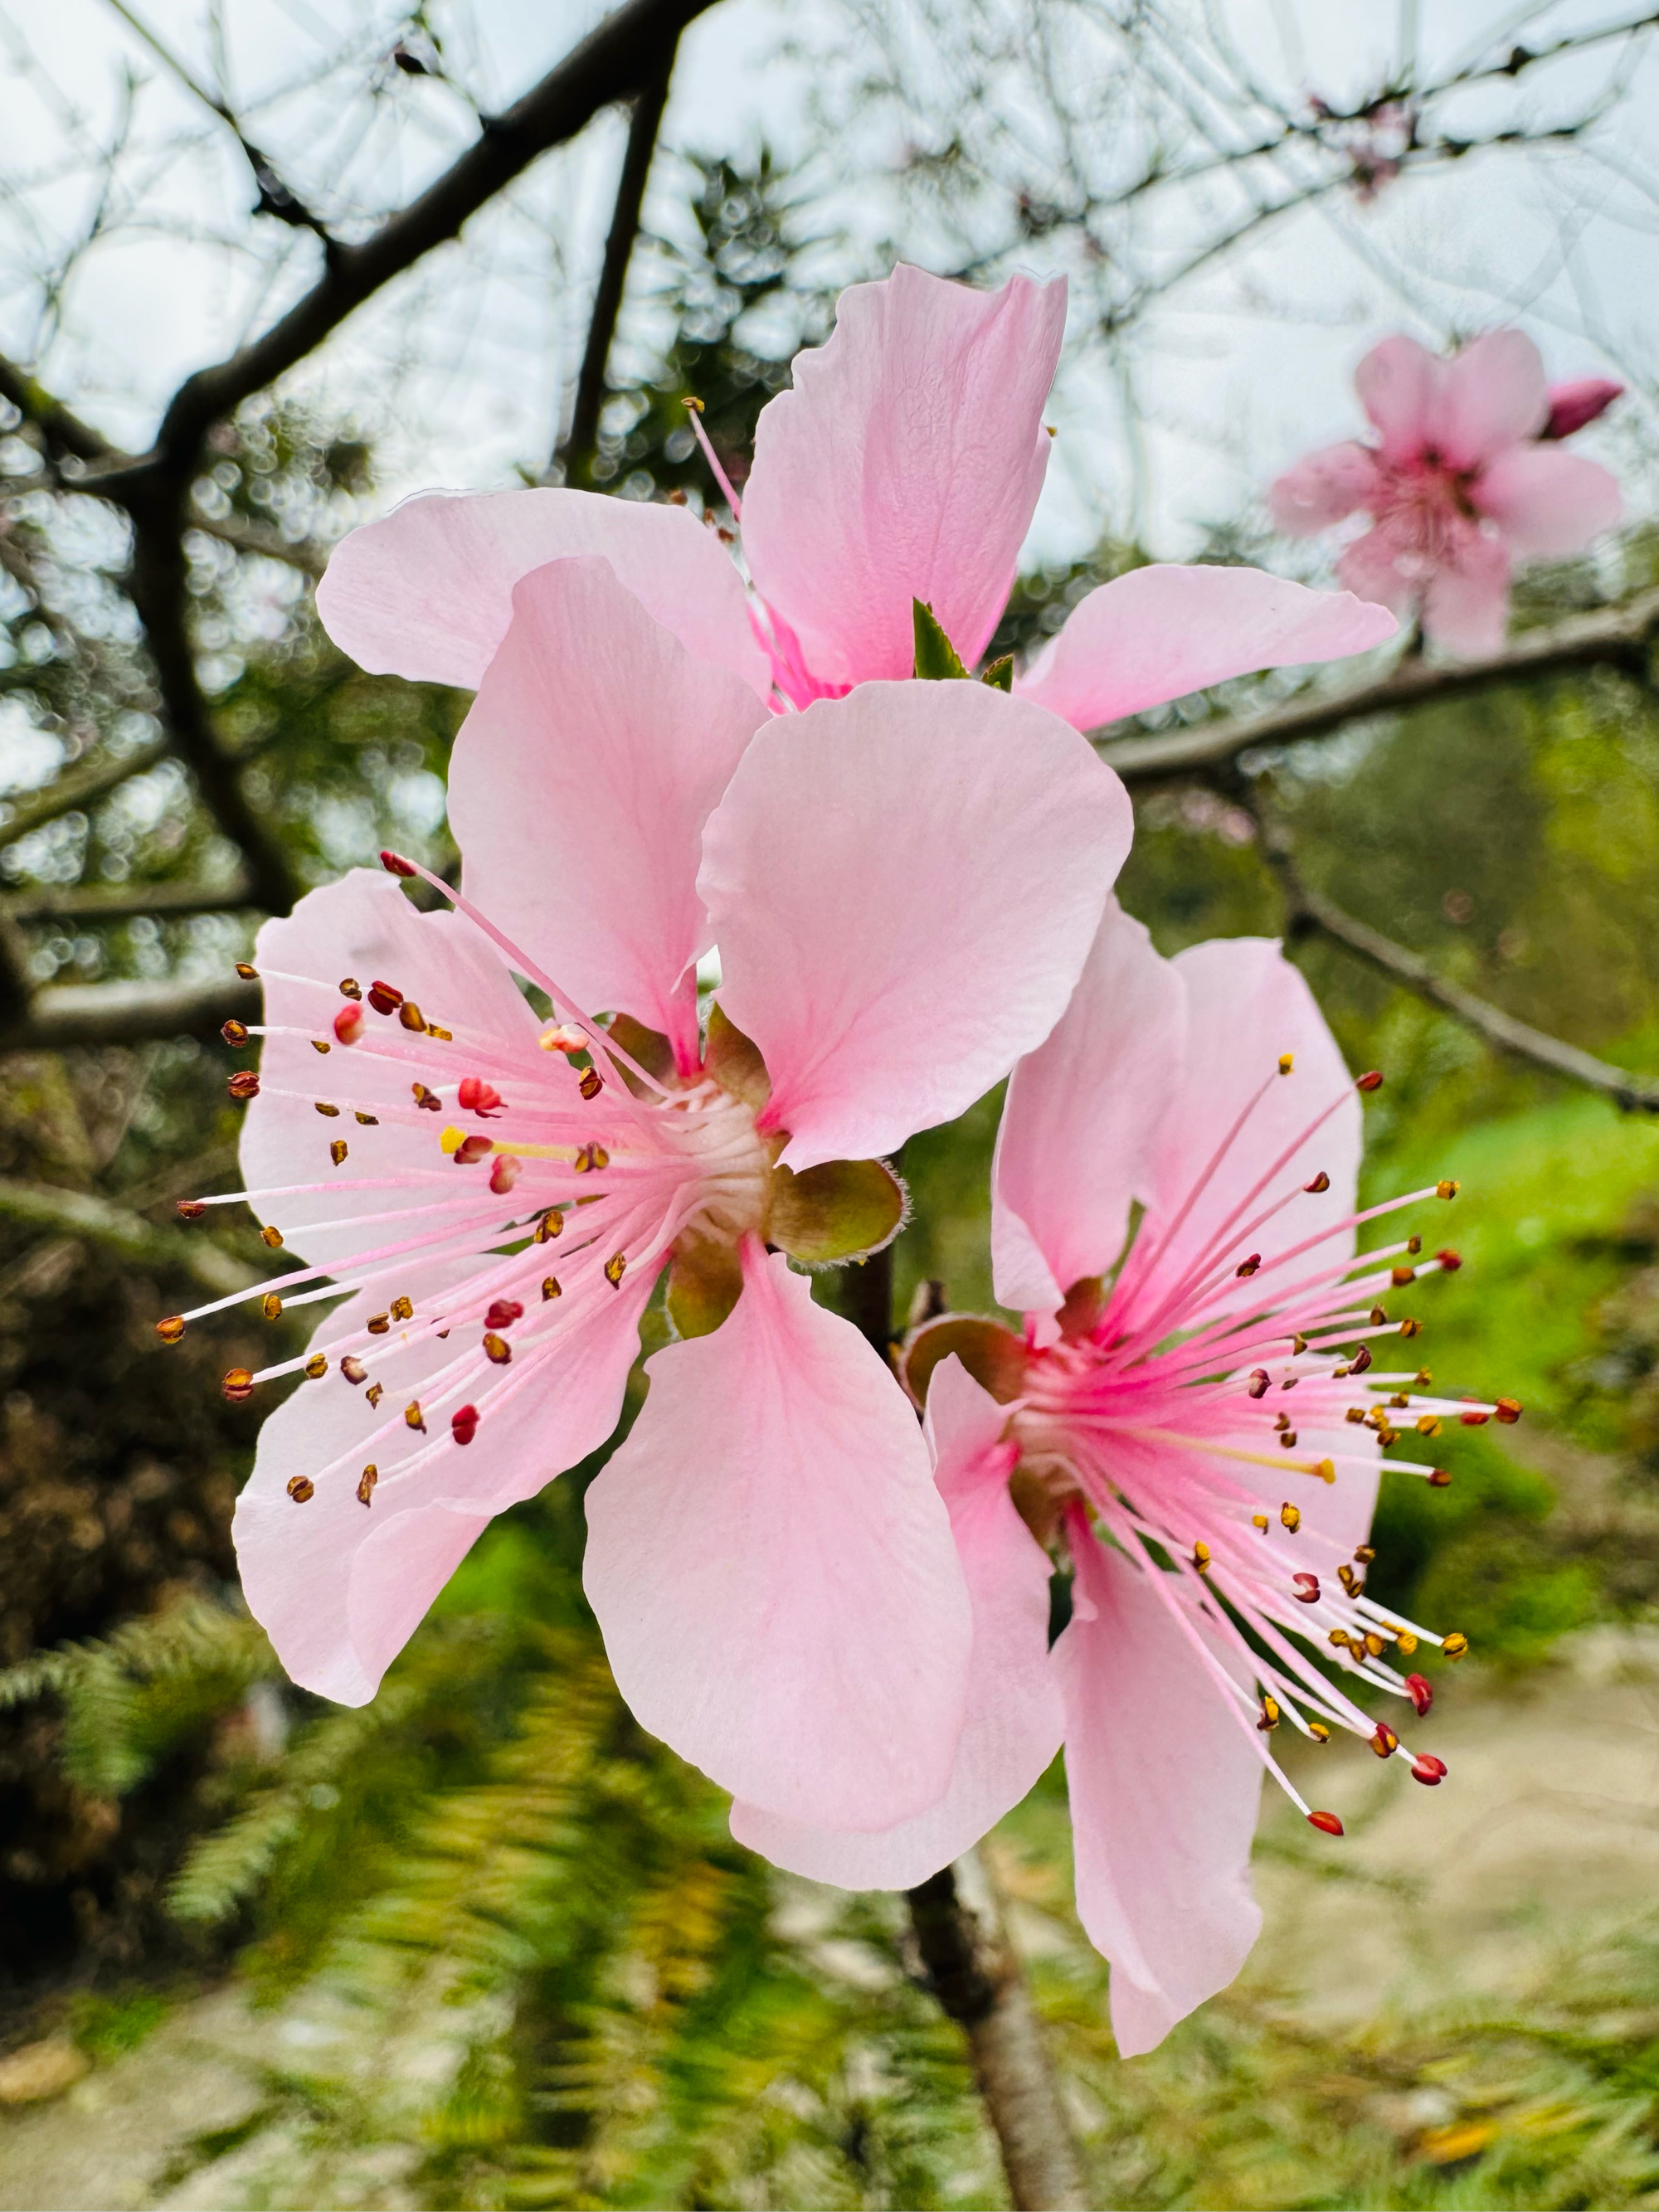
973 1971
65 433
117 902
310 559
67 1014
643 126
1618 637
1309 909
81 1213
77 787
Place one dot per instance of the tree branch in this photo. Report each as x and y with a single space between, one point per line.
65 433
67 1014
643 126
1309 909
81 1213
118 902
77 787
1610 637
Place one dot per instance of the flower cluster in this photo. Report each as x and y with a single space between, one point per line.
491 1125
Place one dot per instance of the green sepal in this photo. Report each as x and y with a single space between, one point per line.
993 1355
1085 1302
704 1283
650 1048
837 1210
936 657
1000 674
734 1062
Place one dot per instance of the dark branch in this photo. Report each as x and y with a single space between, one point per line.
80 1214
643 129
78 787
1611 637
1309 909
117 902
66 1014
65 433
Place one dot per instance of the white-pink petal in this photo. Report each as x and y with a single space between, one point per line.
1161 632
1323 488
1547 503
427 593
1466 602
1165 1785
904 464
773 1569
1014 1714
1083 1113
580 781
1492 394
904 884
1398 384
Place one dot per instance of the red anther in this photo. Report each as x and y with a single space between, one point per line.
1385 1742
1440 1478
1429 1770
384 998
234 1033
1373 1081
503 1314
245 1083
504 1174
1507 1410
472 1148
463 1424
395 865
1420 1693
1474 1417
191 1209
348 1023
1361 1360
1307 1588
475 1096
1249 1266
1321 1181
1259 1379
1326 1823
1451 1262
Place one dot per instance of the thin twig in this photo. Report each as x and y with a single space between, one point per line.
77 787
80 1214
1620 637
642 128
66 1014
118 902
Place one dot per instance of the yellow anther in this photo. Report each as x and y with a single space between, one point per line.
563 1036
1286 1062
270 1305
1259 1521
1201 1557
1428 1424
413 1416
270 1235
370 1476
316 1367
336 1152
1454 1645
613 1268
1291 1516
451 1141
301 1488
1319 1732
1445 1189
1407 1642
550 1287
402 1309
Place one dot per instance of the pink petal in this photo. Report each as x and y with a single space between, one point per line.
364 927
1159 633
903 466
1082 1118
904 884
1324 487
340 1588
1399 385
1339 1511
1014 1715
1547 503
580 786
427 593
1493 394
773 1567
1246 1005
1380 568
1165 1785
1466 606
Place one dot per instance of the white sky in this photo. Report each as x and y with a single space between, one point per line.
459 368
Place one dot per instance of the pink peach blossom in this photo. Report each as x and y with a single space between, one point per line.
1463 481
767 1556
904 464
1204 1409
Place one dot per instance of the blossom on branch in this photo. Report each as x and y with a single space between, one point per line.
768 1555
904 465
1464 480
1196 1440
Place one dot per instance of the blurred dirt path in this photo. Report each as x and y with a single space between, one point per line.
1549 1818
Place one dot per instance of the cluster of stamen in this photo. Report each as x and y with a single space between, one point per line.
1140 1424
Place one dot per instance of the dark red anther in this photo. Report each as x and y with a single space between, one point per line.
1420 1693
191 1209
1372 1081
1361 1360
1451 1262
1439 1478
470 1149
348 1023
1507 1410
1326 1823
1249 1266
245 1083
503 1313
234 1033
384 998
1307 1588
1426 1768
1259 1381
1384 1742
395 865
1321 1181
463 1424
475 1096
1474 1417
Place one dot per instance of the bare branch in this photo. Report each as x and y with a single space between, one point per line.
81 1213
78 787
308 558
66 1014
65 433
1612 636
117 902
643 129
1309 909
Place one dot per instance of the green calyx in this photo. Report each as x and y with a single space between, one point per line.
734 1062
838 1211
938 659
993 1355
